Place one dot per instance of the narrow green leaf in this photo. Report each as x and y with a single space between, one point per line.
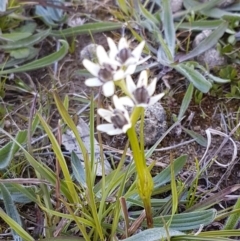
174 192
198 138
86 29
10 209
15 226
194 76
58 152
186 101
150 17
168 26
154 234
40 167
123 6
207 43
8 151
43 62
199 25
165 176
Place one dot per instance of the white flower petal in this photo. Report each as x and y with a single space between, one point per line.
131 61
143 79
106 114
122 44
113 48
155 98
108 128
143 60
130 69
127 101
152 86
130 84
91 82
102 55
113 132
138 50
118 104
108 88
118 75
91 67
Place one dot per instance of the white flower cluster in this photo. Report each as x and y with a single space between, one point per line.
118 65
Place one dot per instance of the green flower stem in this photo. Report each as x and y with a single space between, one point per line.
145 181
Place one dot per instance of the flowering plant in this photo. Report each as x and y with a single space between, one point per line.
115 69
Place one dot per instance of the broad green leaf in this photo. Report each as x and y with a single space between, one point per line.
168 26
8 151
207 43
43 62
186 101
220 13
194 5
26 42
15 226
14 62
18 193
15 36
78 170
154 234
194 76
20 53
86 29
165 176
186 221
10 209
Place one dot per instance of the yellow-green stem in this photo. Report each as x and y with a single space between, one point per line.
145 181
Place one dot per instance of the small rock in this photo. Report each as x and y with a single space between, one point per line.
176 5
154 124
88 52
211 57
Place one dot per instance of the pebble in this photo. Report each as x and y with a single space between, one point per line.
176 5
155 124
211 57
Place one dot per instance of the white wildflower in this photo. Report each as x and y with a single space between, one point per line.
141 94
124 56
105 72
118 118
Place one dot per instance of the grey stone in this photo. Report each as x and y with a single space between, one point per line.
210 58
176 5
88 52
155 124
